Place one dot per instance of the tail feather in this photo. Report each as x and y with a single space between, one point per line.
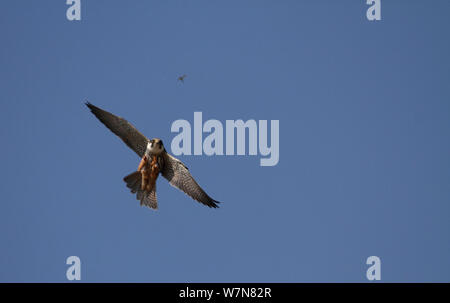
133 181
148 199
134 184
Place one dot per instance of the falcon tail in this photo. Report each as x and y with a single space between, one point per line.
148 199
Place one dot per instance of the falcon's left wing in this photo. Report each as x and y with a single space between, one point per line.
178 176
122 128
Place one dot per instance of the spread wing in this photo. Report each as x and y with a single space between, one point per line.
122 128
178 176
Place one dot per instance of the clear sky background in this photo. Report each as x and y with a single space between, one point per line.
364 167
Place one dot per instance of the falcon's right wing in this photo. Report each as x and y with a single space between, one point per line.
122 128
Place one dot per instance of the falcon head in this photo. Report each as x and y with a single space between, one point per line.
154 147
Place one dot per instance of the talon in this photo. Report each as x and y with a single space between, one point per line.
143 163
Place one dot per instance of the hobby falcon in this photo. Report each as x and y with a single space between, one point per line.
154 160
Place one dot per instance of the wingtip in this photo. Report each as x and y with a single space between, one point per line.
89 104
94 109
214 204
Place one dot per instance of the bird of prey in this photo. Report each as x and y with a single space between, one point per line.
181 78
154 161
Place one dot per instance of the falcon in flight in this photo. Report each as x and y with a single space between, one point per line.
154 160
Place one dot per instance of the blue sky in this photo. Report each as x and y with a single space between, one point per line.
364 152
